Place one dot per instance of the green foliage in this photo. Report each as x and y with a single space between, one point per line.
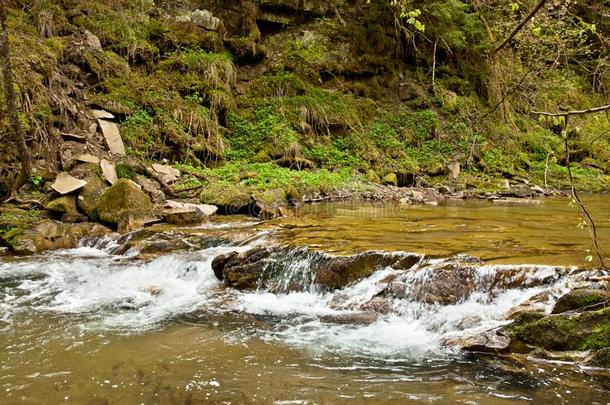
257 130
269 176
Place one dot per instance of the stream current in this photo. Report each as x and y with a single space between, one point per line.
104 325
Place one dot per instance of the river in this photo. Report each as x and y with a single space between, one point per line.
103 324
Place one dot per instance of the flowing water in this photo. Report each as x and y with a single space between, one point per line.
105 324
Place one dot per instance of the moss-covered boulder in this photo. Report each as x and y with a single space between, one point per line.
581 298
559 332
49 235
228 197
63 205
390 180
123 198
90 195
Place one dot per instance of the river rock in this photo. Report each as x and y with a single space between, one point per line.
65 183
185 213
152 188
53 235
135 219
446 285
599 358
338 272
122 198
581 298
487 342
109 171
63 205
112 135
567 331
89 196
241 271
355 318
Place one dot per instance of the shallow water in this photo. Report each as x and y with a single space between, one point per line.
545 233
91 326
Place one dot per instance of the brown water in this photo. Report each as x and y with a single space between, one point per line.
81 327
546 233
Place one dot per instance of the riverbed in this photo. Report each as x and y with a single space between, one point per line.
105 325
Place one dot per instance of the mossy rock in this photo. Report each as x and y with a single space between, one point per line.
390 180
293 196
580 298
64 205
599 358
124 196
581 331
228 197
89 196
373 177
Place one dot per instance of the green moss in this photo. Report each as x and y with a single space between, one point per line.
124 171
583 331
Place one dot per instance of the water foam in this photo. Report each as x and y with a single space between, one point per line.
120 292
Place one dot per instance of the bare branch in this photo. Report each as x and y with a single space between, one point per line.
576 112
520 26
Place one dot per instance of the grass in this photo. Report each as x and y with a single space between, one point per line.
269 176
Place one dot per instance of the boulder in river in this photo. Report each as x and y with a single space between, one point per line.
241 271
567 331
488 342
186 213
339 271
52 235
246 270
580 299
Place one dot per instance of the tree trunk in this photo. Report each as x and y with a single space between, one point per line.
11 102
